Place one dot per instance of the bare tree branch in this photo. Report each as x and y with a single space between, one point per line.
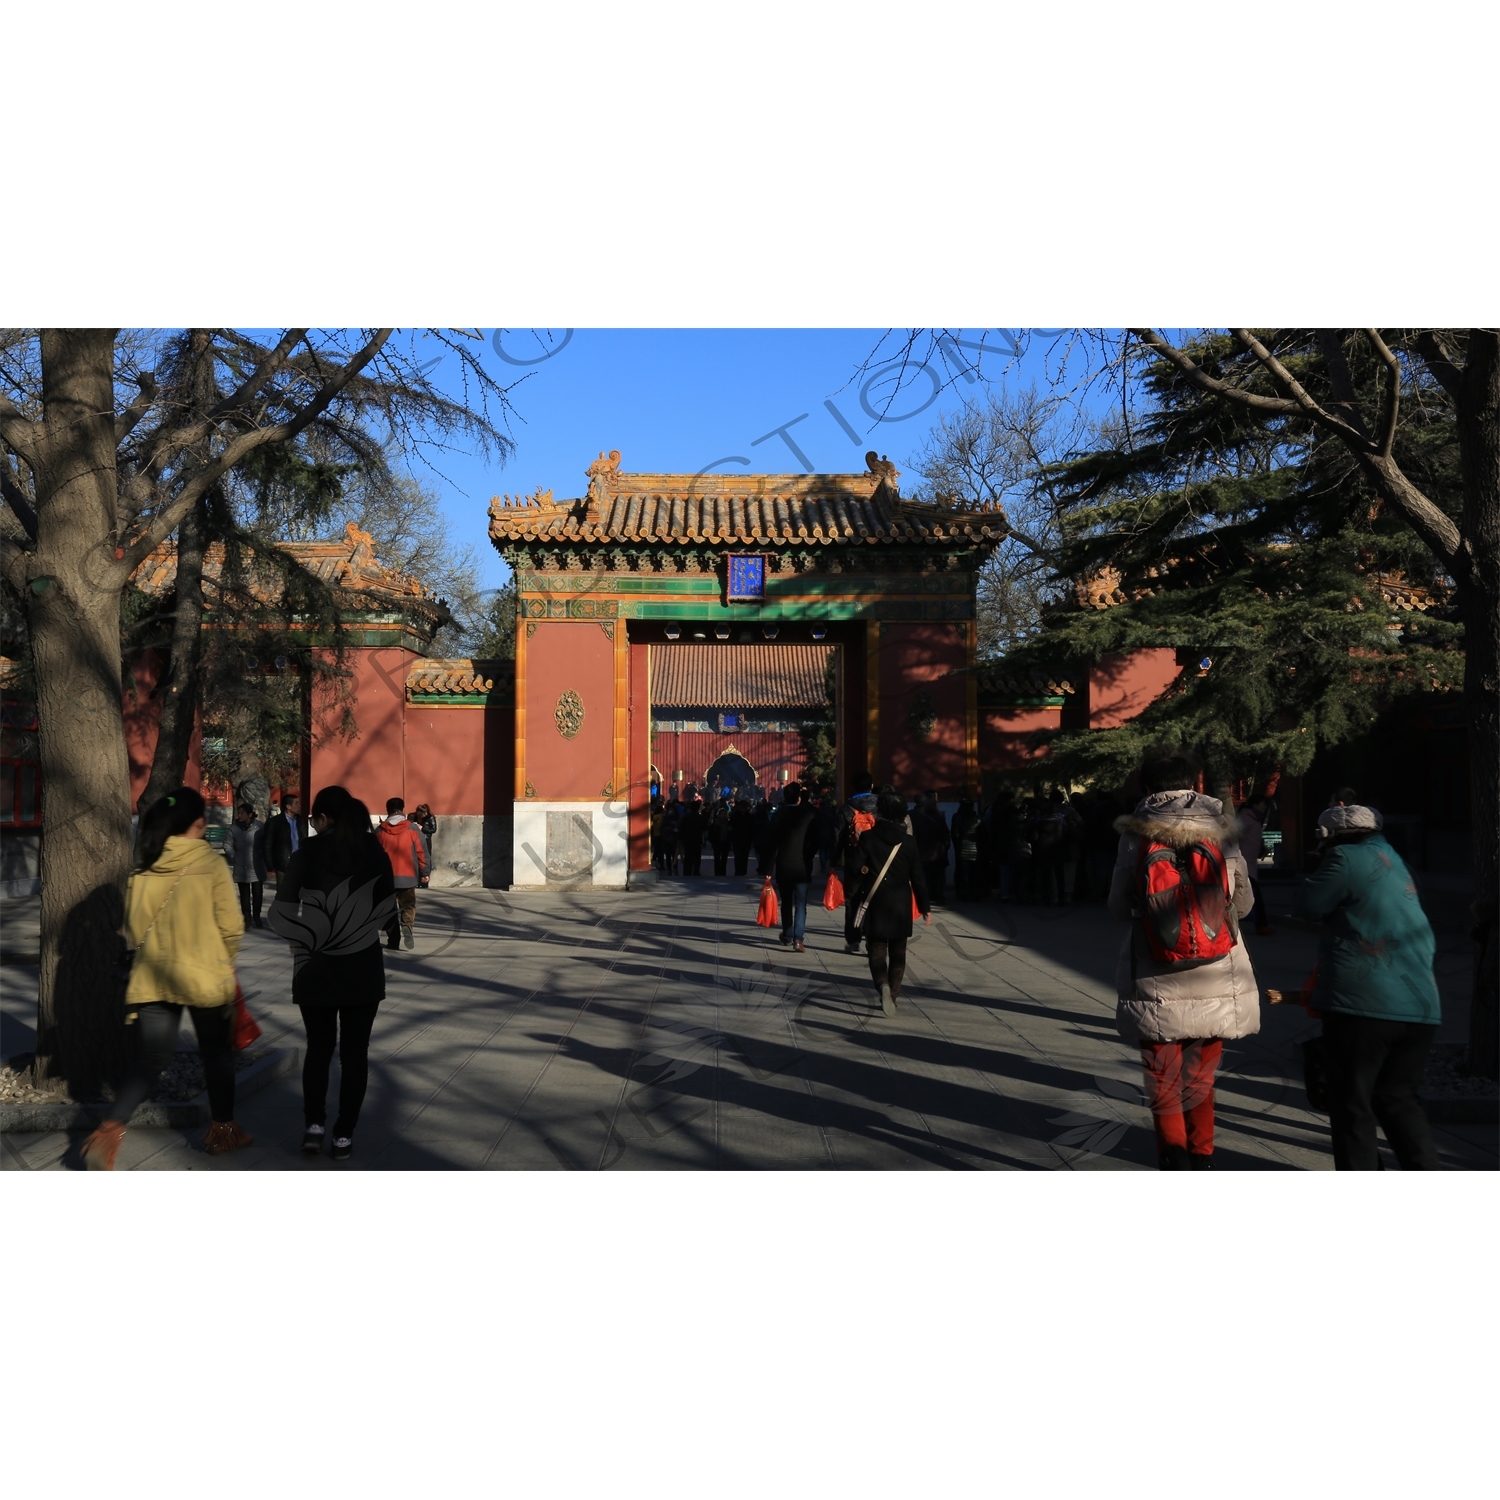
1391 409
168 443
144 401
16 498
1206 382
183 501
255 382
1435 528
13 561
1280 373
1437 357
1345 403
1429 521
19 432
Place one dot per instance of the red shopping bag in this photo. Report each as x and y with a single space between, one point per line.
916 911
246 1027
833 892
768 914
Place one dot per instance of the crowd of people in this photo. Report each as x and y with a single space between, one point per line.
1178 869
1045 849
1172 862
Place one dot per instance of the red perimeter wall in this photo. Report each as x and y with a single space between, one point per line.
926 658
1121 687
143 724
372 765
459 759
1002 736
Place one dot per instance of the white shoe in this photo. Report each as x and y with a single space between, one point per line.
408 938
887 1002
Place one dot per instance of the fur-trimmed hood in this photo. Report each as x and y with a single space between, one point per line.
1180 819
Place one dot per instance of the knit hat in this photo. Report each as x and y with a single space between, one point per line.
1336 820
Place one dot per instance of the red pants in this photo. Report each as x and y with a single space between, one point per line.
1180 1091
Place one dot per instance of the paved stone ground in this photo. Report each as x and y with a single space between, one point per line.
662 1029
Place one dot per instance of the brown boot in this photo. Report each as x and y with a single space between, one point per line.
225 1136
103 1146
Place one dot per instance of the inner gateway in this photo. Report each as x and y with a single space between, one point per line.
745 717
731 631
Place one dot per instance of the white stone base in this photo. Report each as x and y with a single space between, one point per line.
581 845
471 850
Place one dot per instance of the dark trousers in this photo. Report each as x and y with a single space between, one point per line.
937 877
155 1038
793 894
1046 878
405 915
1373 1068
888 963
251 893
741 858
966 879
1258 913
851 910
1180 1091
721 858
349 1027
692 858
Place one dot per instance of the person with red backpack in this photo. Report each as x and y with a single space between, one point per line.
404 848
1184 979
855 817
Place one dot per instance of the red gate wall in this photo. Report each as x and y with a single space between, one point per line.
928 658
561 655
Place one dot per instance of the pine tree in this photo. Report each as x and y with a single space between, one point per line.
1253 546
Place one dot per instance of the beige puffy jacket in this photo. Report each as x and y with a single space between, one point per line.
1161 1004
189 904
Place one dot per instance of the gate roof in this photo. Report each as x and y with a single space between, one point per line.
768 509
765 675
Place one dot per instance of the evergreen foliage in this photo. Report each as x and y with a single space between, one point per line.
1256 545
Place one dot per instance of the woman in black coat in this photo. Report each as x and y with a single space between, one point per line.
887 922
332 906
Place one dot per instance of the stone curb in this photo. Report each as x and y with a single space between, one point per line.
17 1119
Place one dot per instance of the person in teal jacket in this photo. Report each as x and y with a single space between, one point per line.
1376 992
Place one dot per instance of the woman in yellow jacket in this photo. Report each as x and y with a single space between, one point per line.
182 918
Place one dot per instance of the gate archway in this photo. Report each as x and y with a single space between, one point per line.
730 769
652 559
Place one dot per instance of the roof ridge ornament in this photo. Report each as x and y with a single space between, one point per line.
603 474
361 549
881 466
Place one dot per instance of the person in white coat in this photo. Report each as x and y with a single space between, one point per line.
1180 1015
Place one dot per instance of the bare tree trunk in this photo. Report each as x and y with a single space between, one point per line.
180 687
74 616
1479 597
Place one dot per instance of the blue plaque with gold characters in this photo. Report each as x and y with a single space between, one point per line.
747 579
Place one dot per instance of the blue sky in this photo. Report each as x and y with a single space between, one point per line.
676 400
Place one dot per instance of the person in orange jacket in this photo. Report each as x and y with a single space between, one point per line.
408 856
